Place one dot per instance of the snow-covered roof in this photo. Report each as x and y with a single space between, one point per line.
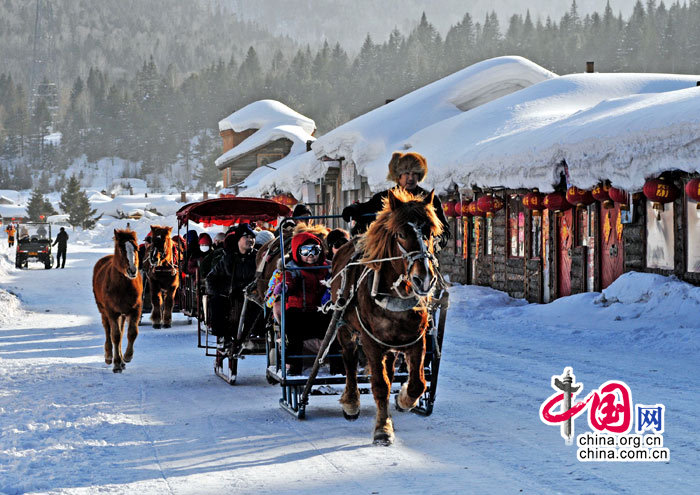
369 140
623 127
273 120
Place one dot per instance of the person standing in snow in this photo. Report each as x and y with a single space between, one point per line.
407 170
10 230
62 241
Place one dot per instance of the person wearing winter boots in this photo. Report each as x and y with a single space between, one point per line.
62 241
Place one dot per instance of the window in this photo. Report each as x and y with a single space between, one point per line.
693 222
536 237
516 228
266 158
660 241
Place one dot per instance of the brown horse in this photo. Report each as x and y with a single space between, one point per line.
117 287
387 303
161 269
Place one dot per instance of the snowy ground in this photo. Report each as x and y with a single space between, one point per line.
168 425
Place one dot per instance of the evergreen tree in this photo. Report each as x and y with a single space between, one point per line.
69 195
39 207
81 213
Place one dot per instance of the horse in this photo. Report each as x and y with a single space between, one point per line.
118 289
162 272
390 278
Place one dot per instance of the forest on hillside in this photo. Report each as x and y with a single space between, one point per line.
156 115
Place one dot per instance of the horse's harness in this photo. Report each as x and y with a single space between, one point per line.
387 301
159 262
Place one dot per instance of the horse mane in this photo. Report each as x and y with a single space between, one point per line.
319 230
376 243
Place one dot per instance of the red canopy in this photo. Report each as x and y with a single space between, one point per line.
230 210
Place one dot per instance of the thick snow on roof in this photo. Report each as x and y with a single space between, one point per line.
369 140
274 120
295 134
623 127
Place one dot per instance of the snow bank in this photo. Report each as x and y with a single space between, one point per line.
639 308
10 307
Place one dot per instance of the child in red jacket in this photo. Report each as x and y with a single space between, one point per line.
304 293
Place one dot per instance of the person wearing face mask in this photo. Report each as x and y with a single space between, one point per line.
227 279
407 170
197 253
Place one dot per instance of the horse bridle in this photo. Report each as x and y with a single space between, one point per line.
411 257
157 256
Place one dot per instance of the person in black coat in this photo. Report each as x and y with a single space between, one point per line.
226 281
62 241
407 170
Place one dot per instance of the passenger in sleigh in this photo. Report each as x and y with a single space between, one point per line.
304 292
226 281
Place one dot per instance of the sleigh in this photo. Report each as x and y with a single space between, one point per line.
224 212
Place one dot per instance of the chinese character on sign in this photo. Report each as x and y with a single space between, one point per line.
650 418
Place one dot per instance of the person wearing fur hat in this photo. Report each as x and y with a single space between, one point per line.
407 170
225 282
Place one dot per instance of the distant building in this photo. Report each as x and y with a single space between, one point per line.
258 135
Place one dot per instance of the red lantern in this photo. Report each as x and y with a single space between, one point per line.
474 211
534 202
660 191
692 190
601 193
620 196
449 208
556 202
489 204
464 207
579 197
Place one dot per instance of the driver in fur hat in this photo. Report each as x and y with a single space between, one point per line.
407 170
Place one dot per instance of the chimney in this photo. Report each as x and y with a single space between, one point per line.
589 67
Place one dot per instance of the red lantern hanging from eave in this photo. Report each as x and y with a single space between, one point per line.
692 190
579 197
556 201
464 207
489 205
660 191
621 197
534 202
449 208
601 193
474 210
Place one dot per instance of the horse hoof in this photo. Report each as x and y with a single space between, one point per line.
108 360
396 404
116 370
166 325
351 417
383 438
156 325
128 358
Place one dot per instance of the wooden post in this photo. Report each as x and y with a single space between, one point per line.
589 67
183 197
205 195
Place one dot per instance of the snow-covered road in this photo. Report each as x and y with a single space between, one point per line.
168 425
